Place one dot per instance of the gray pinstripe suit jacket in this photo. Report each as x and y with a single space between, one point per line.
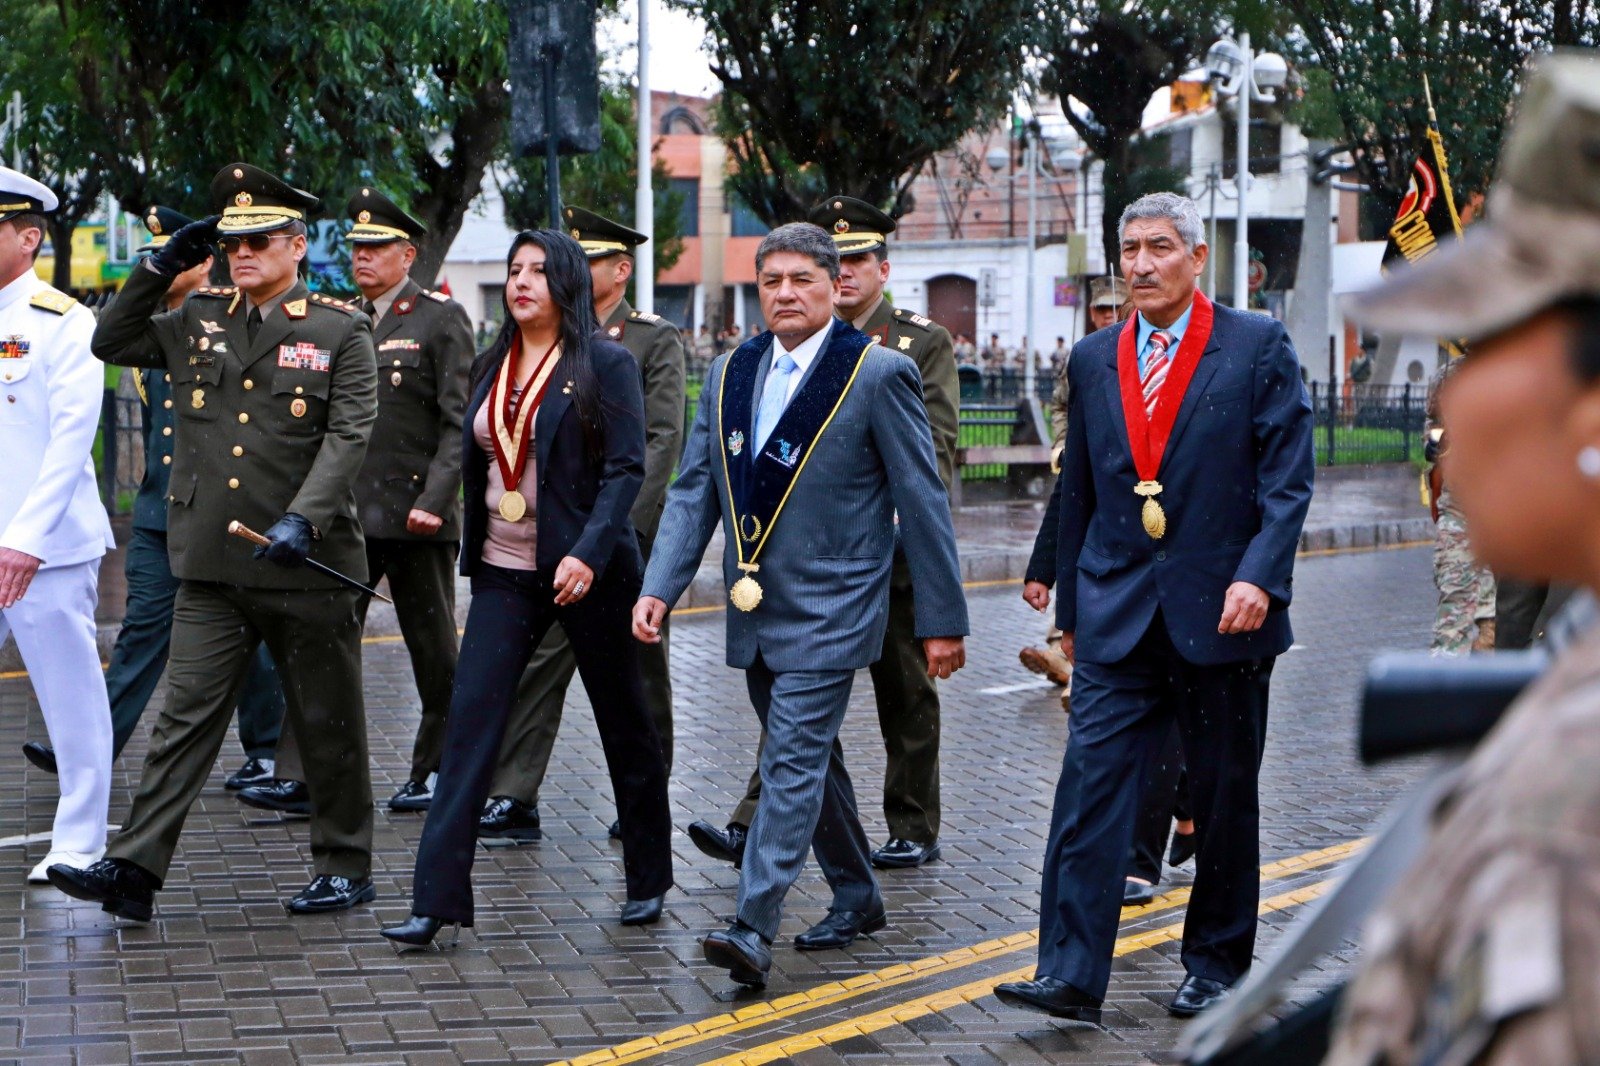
825 569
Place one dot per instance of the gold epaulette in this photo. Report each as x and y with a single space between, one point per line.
338 305
52 300
220 292
439 296
645 316
903 315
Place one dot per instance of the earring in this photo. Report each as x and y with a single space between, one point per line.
1589 462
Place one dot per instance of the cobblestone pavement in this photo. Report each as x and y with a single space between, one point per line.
223 975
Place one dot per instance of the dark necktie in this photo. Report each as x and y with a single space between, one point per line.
252 324
370 309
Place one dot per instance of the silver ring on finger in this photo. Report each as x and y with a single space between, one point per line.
577 590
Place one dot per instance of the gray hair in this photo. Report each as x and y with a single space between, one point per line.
805 239
1179 210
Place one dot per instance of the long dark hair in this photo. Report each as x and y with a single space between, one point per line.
566 271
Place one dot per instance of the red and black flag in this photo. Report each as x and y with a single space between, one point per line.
1427 215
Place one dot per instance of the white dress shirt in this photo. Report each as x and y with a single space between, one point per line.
802 354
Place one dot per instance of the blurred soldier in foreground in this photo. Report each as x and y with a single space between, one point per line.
1108 296
1466 587
276 394
1488 951
53 528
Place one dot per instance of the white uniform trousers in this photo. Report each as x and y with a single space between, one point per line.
55 631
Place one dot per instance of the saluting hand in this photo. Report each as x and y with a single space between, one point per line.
1244 608
16 574
945 655
648 614
423 523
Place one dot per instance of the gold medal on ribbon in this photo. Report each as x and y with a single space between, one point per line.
1151 514
513 506
746 592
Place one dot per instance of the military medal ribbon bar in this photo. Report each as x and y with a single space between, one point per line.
1148 433
512 431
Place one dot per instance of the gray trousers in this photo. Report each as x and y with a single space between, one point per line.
807 801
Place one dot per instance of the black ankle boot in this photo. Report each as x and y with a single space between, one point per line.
419 930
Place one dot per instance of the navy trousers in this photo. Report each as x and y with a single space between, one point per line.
1121 715
145 640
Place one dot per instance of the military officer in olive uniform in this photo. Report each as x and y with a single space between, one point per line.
511 813
408 494
908 702
275 390
140 654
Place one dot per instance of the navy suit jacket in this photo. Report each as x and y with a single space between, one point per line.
825 572
581 505
1236 483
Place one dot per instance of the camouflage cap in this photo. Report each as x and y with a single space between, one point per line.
1540 243
1107 292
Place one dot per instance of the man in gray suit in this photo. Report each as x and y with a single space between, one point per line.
808 443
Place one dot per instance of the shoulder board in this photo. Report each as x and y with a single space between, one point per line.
337 305
53 300
645 316
439 296
221 292
902 315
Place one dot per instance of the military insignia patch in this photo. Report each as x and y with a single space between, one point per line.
787 454
213 327
365 216
220 347
735 443
438 296
153 224
841 226
204 344
14 347
297 407
305 356
400 344
615 332
905 344
244 199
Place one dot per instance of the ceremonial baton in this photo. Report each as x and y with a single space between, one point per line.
239 529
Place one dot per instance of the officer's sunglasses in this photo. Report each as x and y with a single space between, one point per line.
256 242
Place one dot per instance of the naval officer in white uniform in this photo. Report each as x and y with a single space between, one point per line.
53 528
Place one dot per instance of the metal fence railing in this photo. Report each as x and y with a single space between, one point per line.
1357 424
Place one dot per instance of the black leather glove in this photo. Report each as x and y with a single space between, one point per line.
188 248
290 537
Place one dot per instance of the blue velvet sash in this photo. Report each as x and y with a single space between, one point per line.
759 484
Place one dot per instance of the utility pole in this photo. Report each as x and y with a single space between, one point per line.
1241 237
644 201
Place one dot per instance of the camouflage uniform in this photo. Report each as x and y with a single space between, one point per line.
1466 589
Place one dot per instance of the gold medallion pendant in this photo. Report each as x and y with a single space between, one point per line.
1153 517
513 505
746 592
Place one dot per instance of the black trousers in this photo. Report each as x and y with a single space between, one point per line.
1122 714
1165 796
511 612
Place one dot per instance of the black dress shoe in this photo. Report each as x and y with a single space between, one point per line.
328 892
285 797
901 854
123 888
1137 893
504 818
418 931
413 796
1195 995
41 755
1050 996
615 832
725 844
839 928
1182 848
642 911
253 772
743 952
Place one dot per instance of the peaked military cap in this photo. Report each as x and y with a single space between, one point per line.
599 236
252 201
1540 242
379 220
162 222
856 225
1107 292
21 195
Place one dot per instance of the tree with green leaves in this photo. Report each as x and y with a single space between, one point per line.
1365 83
855 96
603 181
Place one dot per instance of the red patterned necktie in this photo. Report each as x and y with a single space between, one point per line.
1155 370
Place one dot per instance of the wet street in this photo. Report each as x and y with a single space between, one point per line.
224 975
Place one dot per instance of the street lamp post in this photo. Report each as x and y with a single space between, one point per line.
1238 72
644 202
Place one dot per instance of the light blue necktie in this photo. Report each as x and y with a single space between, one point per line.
774 397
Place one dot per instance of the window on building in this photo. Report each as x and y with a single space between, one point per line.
1180 150
744 222
1266 146
689 213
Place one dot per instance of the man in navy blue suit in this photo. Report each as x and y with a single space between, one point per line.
1184 483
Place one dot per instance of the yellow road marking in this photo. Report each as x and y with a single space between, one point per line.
937 1001
835 992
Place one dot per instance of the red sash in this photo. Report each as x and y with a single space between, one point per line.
512 433
1147 435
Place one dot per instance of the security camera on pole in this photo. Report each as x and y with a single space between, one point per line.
1237 72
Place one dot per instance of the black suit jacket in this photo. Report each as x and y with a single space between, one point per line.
581 505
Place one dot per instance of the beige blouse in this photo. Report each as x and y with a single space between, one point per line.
510 544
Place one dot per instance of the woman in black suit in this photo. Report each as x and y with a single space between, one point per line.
553 457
